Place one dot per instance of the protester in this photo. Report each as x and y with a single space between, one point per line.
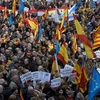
21 52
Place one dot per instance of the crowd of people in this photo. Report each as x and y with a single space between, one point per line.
20 53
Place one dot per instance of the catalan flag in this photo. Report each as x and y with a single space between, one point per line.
32 24
74 45
5 12
63 54
58 33
55 64
45 15
81 77
21 94
14 8
83 38
96 43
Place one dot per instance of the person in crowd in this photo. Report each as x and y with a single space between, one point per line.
21 53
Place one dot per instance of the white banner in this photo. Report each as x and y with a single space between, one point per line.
68 67
65 72
72 77
45 77
26 77
22 79
36 75
97 53
55 82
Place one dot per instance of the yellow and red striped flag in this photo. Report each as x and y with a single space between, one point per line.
58 33
5 12
55 64
32 24
96 38
83 38
74 45
21 94
81 78
22 16
14 8
63 54
45 15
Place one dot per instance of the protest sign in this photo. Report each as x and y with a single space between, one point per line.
68 67
72 77
36 75
26 77
97 53
65 72
55 82
45 77
22 79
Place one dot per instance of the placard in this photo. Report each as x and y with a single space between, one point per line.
22 79
68 66
45 77
97 53
36 75
65 72
25 77
55 82
72 77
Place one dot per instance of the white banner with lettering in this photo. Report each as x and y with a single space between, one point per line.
97 53
55 82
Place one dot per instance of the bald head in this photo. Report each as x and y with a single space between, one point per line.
30 89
